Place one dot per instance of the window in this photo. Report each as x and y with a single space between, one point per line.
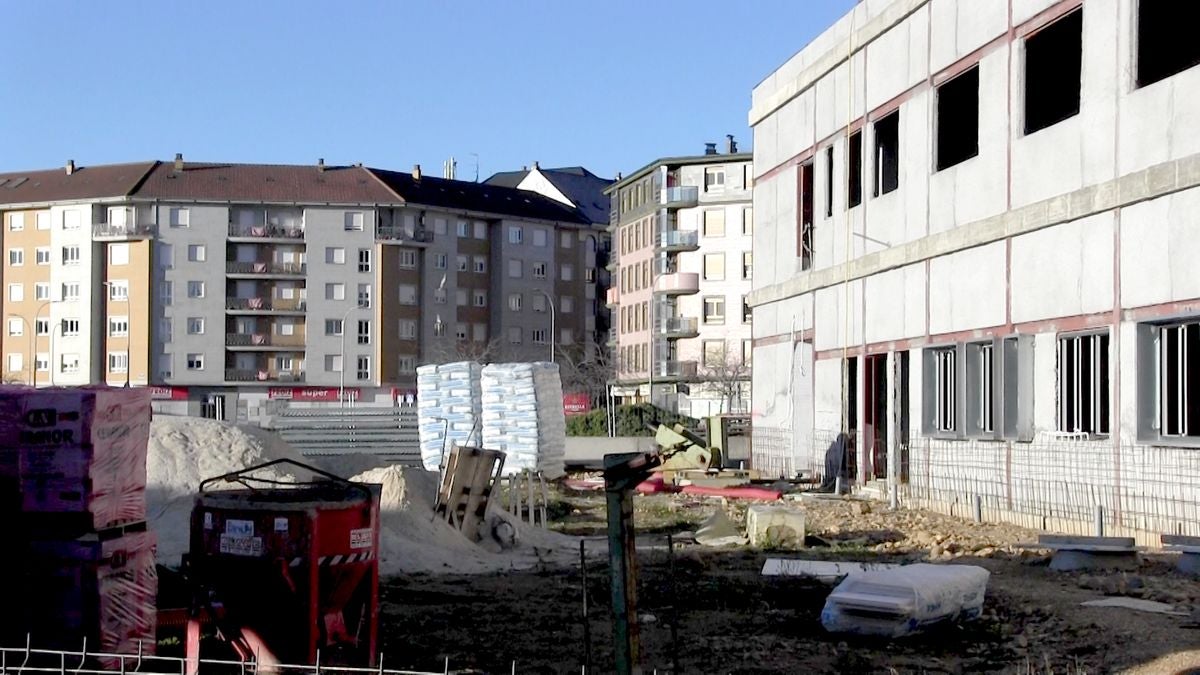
714 178
195 325
69 363
165 292
567 304
42 256
363 368
589 275
564 239
1166 39
118 326
353 221
958 119
408 364
514 302
479 299
16 362
71 220
335 255
1178 380
539 270
70 291
747 351
714 266
335 291
439 261
41 363
41 291
515 234
166 256
408 294
945 389
16 327
364 332
195 362
714 310
461 332
537 336
70 327
118 254
714 353
333 363
439 296
16 257
539 237
567 272
887 154
118 362
480 229
460 297
43 223
179 217
747 312
514 335
408 329
462 262
364 260
980 378
408 258
333 326
164 365
748 221
1083 389
714 223
854 170
464 228
747 264
538 303
1053 68
195 289
16 292
70 255
41 326
829 182
515 269
364 295
118 291
804 235
480 264
16 222
196 253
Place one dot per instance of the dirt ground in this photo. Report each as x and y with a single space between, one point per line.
717 614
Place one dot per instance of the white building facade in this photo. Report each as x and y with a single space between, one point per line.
974 256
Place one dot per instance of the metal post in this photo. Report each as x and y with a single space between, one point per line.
674 598
587 627
1099 520
978 509
622 562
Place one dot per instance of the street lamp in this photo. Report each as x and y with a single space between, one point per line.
31 346
549 301
108 285
33 341
342 374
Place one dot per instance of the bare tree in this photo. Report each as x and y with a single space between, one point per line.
727 374
585 370
481 351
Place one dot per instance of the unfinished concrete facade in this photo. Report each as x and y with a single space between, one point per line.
974 255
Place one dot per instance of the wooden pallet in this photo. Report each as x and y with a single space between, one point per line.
468 479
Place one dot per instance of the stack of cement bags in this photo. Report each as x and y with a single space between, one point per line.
523 416
448 408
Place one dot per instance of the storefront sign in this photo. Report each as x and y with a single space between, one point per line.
576 404
312 393
169 393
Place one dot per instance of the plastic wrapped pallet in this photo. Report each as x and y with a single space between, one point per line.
75 457
523 416
448 408
904 600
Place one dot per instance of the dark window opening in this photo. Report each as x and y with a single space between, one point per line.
1053 67
1179 380
958 119
1083 384
1166 38
829 182
854 170
804 241
887 154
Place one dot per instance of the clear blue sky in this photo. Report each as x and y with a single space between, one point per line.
609 85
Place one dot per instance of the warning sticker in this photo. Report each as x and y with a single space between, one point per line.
360 538
246 546
208 520
281 524
239 528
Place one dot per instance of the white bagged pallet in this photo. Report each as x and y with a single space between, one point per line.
523 416
448 408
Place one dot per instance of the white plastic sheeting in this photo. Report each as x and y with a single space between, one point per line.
904 600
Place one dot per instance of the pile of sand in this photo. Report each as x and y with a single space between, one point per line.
184 451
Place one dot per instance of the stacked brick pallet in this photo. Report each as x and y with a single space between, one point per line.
80 560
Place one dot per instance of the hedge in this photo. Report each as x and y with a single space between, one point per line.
631 421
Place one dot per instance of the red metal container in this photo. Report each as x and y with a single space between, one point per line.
298 567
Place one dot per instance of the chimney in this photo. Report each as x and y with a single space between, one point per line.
321 164
179 161
416 174
730 144
70 166
710 148
535 164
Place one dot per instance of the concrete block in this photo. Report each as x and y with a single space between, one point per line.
775 527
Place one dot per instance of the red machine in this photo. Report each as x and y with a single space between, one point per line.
286 570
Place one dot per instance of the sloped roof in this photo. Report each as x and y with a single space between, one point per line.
85 182
483 197
278 183
584 188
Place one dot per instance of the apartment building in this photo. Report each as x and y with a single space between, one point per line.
975 256
230 286
682 265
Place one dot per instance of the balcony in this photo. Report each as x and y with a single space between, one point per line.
612 297
679 240
678 283
674 370
263 305
265 269
679 327
399 235
264 341
122 231
680 197
263 375
612 336
266 232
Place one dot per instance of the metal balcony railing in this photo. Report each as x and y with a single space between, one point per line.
679 239
667 369
262 375
124 230
265 304
263 340
401 234
265 268
266 231
680 325
680 197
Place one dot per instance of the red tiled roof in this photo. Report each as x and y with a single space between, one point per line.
306 184
86 182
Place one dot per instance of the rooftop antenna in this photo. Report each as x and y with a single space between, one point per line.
476 156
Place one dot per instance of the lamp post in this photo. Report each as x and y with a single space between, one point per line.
108 285
31 346
342 374
33 342
53 329
550 302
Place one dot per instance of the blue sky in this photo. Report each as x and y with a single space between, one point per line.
609 85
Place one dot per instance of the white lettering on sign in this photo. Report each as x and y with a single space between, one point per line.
245 546
281 524
239 528
361 538
208 521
